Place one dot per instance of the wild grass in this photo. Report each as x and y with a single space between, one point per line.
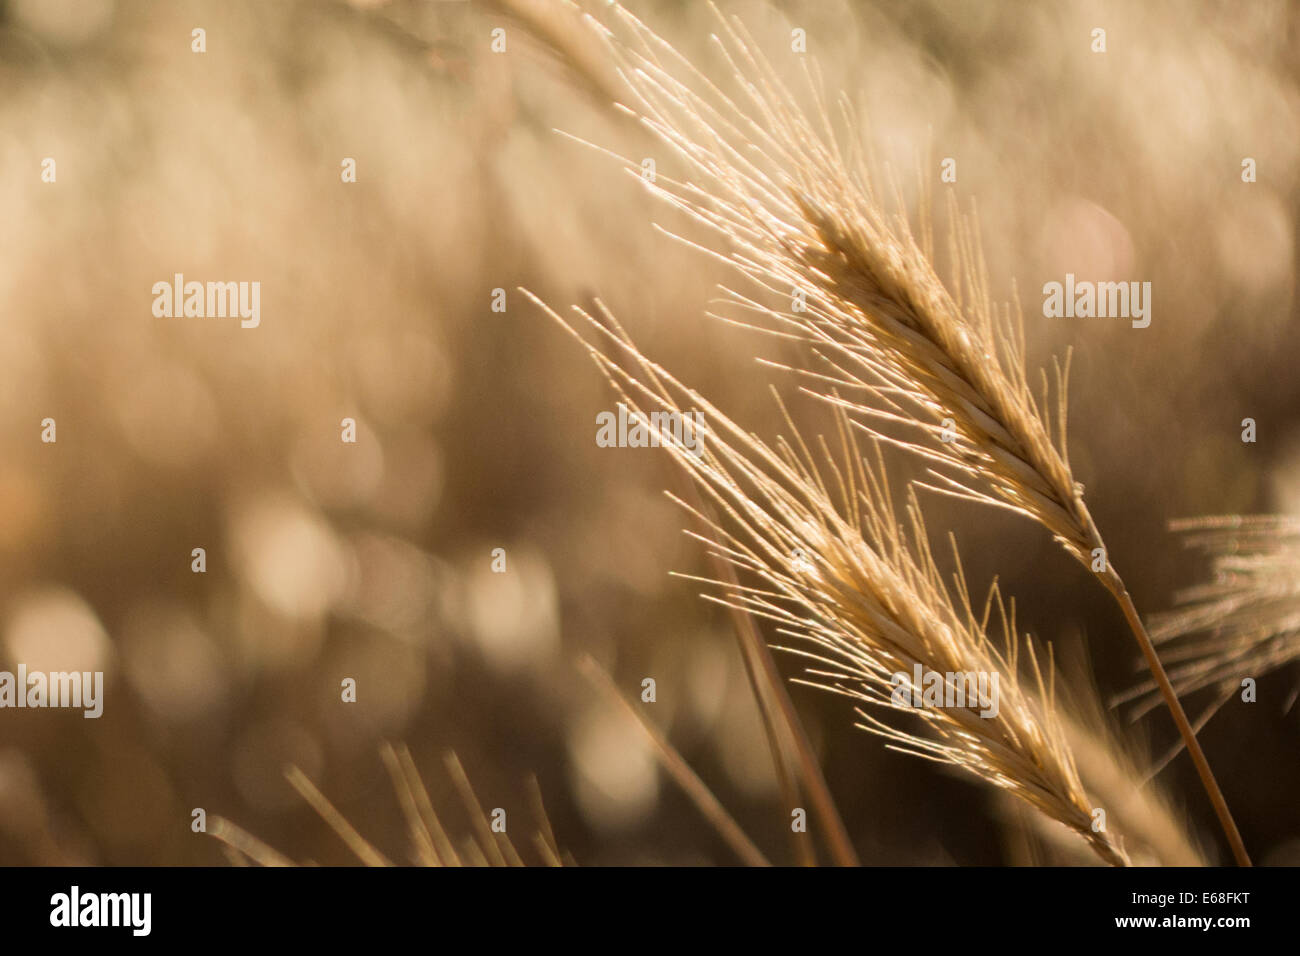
796 209
431 844
1244 621
858 594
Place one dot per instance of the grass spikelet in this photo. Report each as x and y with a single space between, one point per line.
859 594
802 218
1244 620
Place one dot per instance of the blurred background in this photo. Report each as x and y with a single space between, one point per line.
476 428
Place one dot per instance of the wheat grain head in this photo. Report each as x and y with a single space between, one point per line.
858 592
803 220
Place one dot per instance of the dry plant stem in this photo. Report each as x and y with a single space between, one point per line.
837 836
499 850
749 640
423 844
241 841
545 838
771 692
746 634
429 818
1176 748
430 844
366 853
1115 586
679 769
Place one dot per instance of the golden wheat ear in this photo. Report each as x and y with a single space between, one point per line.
799 216
858 594
1244 620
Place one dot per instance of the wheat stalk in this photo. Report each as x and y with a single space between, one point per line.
676 766
800 217
871 602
